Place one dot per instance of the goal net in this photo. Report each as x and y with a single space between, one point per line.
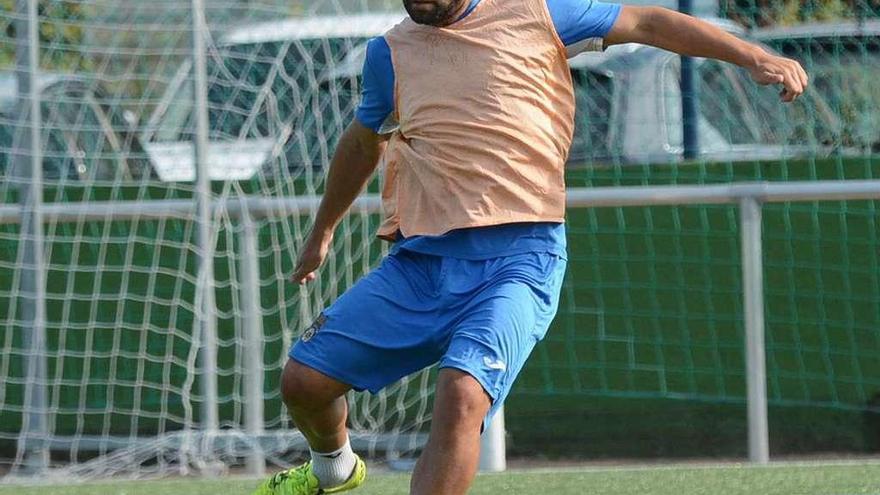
120 384
108 362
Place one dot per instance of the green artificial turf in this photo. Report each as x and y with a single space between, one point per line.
778 479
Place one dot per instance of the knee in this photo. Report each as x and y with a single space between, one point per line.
295 389
303 387
464 403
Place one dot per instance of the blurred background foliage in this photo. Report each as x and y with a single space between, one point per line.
765 13
61 22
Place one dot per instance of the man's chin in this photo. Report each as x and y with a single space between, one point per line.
425 13
426 19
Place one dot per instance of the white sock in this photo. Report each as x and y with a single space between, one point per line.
334 468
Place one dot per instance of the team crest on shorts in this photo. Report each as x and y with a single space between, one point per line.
313 328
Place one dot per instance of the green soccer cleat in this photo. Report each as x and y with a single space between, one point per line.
301 481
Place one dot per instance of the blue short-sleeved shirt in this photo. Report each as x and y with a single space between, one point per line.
579 24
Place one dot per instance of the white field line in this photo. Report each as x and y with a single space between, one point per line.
696 466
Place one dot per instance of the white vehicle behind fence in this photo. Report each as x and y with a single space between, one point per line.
280 94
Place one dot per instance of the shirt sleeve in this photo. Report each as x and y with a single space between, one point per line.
377 91
582 24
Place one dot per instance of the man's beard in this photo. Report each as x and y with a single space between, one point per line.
437 15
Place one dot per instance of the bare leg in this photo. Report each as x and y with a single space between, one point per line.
317 405
449 462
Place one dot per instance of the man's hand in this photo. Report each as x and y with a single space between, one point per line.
770 69
311 257
686 35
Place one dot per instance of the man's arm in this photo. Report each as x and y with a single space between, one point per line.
354 162
687 35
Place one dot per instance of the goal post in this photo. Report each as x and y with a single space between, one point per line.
32 452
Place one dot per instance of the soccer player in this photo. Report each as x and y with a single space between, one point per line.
469 105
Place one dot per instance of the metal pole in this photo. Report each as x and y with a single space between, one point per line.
33 447
206 314
493 447
690 112
753 296
576 197
252 328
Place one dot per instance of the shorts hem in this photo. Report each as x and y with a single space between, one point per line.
323 367
461 367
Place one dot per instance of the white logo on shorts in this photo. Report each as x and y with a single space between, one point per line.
494 365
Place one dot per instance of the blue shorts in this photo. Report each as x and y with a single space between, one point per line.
482 317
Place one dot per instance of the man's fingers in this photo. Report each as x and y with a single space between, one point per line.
299 274
770 78
786 96
805 79
303 278
783 71
304 272
789 93
797 72
792 83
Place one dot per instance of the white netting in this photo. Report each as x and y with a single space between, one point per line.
124 379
